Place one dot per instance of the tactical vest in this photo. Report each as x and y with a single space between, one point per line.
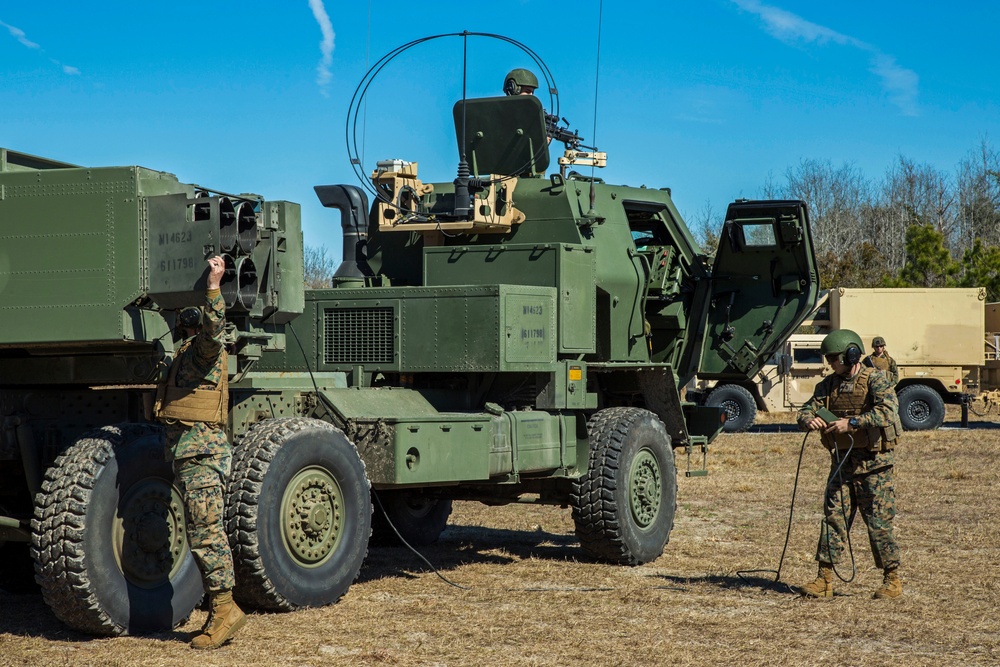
850 399
881 363
190 405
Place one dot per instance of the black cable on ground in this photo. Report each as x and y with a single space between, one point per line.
788 532
825 529
411 548
843 511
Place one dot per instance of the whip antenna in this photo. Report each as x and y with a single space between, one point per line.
597 75
463 205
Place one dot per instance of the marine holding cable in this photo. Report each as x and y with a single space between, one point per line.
856 410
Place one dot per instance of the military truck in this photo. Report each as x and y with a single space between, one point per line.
500 337
936 336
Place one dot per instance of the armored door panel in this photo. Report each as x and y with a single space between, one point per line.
763 285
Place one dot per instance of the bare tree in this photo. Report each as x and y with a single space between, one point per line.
912 194
706 225
979 197
836 200
318 268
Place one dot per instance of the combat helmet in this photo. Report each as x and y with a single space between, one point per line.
190 317
518 78
844 342
878 341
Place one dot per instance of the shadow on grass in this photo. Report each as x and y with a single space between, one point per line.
469 545
762 580
25 614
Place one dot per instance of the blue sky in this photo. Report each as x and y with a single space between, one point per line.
708 98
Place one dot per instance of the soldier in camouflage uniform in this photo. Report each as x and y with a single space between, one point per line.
192 404
861 434
881 360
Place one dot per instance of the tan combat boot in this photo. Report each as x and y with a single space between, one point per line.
822 587
892 586
224 620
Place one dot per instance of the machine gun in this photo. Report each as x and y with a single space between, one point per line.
573 156
571 139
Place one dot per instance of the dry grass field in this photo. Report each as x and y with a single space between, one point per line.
531 597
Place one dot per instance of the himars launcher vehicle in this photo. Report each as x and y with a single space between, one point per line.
503 337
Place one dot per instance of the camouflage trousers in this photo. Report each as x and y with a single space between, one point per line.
202 481
863 484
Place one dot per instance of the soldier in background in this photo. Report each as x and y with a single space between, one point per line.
881 360
192 404
520 82
861 434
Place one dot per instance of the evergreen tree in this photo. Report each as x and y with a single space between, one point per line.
981 268
928 262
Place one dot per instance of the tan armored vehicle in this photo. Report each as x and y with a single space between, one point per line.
943 342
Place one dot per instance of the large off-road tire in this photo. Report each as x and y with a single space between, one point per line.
420 519
624 505
108 536
920 408
741 409
298 514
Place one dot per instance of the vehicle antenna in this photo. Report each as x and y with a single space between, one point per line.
368 44
463 205
597 74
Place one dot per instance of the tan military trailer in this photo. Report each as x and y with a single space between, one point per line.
939 337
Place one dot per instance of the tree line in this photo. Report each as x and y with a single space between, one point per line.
916 226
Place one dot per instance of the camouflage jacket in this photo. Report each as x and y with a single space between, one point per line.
883 363
199 363
199 366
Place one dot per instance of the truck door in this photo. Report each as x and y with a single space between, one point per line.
764 283
805 369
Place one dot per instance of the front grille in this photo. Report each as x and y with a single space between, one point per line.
358 336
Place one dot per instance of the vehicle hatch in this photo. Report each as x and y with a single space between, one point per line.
764 283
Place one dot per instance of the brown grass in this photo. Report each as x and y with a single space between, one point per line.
534 598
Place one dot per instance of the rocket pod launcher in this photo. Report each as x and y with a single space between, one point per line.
99 259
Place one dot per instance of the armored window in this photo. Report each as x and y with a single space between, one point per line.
807 355
648 224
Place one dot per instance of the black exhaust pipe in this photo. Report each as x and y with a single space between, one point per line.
352 203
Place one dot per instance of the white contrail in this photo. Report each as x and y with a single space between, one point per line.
900 83
325 44
19 35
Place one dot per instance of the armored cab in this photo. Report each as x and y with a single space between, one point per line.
503 336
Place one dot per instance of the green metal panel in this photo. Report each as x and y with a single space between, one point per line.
529 328
450 448
538 441
391 403
440 329
565 388
65 243
287 248
502 135
571 268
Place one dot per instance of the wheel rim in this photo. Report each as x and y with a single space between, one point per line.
312 518
919 411
645 489
148 534
732 409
